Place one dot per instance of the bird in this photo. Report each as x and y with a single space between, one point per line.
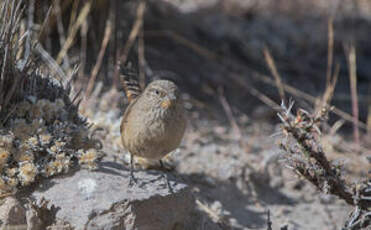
154 121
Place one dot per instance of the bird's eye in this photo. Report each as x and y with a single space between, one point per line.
157 92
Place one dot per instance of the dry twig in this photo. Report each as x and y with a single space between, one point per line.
352 66
74 11
200 50
330 49
72 33
62 37
272 67
220 220
51 63
94 72
228 110
84 42
329 91
132 36
303 95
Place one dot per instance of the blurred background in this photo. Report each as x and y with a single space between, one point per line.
235 62
211 46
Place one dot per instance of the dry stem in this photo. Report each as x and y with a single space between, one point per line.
94 72
306 155
351 57
272 67
330 49
132 36
228 110
72 33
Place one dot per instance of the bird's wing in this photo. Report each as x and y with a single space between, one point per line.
126 114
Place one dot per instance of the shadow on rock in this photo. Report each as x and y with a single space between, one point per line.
233 202
266 193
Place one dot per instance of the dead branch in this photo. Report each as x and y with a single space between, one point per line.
305 155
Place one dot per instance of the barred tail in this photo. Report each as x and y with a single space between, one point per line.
131 87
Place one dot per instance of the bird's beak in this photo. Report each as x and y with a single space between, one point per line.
168 101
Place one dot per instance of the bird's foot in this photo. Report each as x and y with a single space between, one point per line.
132 181
164 174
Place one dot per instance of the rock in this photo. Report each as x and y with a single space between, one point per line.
33 220
40 215
12 213
103 199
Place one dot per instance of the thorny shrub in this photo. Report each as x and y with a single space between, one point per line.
305 156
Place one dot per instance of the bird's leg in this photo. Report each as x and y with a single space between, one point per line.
132 178
166 178
162 164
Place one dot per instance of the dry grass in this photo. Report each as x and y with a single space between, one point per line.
351 57
272 67
73 31
94 72
123 55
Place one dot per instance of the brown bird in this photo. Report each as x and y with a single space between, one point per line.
154 122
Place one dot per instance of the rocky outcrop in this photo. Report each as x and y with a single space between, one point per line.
103 199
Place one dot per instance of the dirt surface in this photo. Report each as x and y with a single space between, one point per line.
241 183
